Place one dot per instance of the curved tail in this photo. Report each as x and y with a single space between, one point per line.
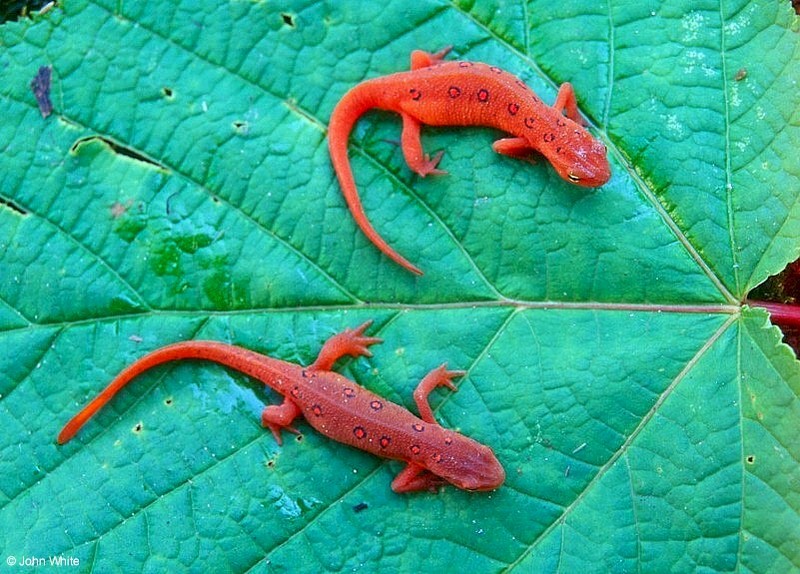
355 103
248 362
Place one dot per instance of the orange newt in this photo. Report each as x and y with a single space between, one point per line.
441 93
340 409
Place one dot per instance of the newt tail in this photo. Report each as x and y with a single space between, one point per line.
245 361
350 108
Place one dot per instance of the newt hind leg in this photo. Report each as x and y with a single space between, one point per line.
439 376
349 342
416 158
277 417
423 59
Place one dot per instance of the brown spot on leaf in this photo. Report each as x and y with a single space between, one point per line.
40 84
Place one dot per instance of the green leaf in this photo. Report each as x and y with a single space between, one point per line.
647 419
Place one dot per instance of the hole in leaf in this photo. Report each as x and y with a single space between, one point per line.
750 459
167 92
360 507
740 75
288 19
114 147
241 126
299 438
138 428
270 463
168 402
12 206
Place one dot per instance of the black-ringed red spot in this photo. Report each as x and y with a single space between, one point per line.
376 405
495 69
513 108
560 122
349 392
360 432
437 457
303 373
529 122
465 64
549 137
415 449
448 440
454 91
418 427
559 149
295 392
415 94
317 410
385 441
483 95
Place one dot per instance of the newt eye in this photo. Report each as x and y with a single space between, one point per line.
573 177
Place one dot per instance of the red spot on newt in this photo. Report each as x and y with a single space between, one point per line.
496 99
467 464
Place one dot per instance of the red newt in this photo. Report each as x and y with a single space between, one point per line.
340 409
459 93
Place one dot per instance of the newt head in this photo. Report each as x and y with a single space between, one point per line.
578 157
475 467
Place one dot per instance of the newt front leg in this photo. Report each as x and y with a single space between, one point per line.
415 477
